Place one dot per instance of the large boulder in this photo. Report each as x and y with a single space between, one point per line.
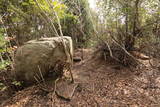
37 58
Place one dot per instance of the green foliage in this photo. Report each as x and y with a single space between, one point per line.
3 49
51 7
30 19
82 30
2 39
4 64
26 18
2 87
68 22
129 20
16 83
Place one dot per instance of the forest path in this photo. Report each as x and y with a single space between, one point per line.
100 84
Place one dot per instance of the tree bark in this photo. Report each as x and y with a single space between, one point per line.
130 39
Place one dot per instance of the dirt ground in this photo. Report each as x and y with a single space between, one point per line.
100 84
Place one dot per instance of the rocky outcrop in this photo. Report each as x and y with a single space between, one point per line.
38 58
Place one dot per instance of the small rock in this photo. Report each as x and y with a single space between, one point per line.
65 89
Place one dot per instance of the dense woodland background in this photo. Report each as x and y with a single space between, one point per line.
131 24
115 28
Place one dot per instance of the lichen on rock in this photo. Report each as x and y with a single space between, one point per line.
37 58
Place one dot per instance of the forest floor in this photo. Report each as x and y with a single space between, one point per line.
100 84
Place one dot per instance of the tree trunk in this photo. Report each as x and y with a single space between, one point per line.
130 39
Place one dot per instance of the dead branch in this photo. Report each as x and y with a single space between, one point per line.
68 54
